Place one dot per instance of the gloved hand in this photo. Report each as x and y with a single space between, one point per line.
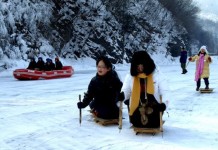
144 100
209 59
161 107
80 105
190 59
126 102
121 96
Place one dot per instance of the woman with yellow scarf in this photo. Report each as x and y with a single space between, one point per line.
142 90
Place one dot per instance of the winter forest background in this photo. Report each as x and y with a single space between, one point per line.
88 28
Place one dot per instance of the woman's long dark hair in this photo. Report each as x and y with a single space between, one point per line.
142 57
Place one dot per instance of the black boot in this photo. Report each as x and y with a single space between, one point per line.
184 71
206 81
198 84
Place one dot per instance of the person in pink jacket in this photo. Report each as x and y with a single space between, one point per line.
202 67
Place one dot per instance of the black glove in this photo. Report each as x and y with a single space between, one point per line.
161 107
121 96
81 105
126 102
144 100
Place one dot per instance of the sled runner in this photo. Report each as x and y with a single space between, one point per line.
203 90
104 122
148 130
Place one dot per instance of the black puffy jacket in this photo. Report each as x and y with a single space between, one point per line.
102 95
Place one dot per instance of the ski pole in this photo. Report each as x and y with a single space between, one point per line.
187 64
161 120
128 112
120 115
80 112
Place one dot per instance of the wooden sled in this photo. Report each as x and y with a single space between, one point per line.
151 130
203 90
104 122
148 130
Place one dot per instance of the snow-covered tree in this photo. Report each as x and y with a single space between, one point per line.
89 28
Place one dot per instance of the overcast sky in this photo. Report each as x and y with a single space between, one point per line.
208 8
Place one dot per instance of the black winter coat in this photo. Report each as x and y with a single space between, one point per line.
102 95
40 65
49 66
32 65
183 56
58 65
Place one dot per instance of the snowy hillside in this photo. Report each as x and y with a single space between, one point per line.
87 28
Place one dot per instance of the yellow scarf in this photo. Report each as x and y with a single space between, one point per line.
135 96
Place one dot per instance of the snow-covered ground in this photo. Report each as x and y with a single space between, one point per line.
43 115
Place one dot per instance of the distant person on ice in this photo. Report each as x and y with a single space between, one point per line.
143 89
202 67
103 91
183 59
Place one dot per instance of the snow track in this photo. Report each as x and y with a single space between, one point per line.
43 115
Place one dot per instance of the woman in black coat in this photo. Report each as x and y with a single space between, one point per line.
103 91
32 64
40 65
58 64
49 65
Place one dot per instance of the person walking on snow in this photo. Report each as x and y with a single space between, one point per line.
202 67
183 59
